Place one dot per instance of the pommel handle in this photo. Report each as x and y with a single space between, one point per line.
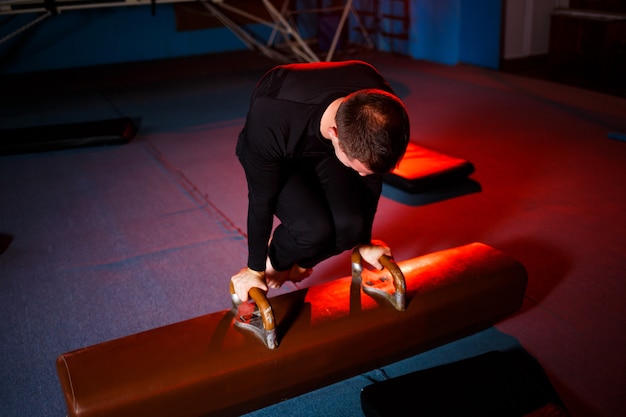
264 309
397 297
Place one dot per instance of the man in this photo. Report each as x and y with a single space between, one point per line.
317 139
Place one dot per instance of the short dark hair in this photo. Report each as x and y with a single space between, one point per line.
373 128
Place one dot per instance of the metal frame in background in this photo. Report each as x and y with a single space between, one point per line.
284 28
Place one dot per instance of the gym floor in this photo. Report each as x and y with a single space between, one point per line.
101 242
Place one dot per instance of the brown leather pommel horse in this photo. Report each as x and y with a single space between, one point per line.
206 366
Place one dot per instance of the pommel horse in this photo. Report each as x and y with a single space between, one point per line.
208 366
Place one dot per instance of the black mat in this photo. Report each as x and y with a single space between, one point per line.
491 384
69 135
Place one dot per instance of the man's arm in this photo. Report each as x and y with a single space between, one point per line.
260 152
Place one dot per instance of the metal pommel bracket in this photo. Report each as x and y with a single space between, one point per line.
380 287
257 318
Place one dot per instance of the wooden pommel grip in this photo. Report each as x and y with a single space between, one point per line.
264 309
397 297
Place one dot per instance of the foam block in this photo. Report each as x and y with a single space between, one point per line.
422 170
205 366
497 384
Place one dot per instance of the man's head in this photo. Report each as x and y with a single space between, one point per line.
373 129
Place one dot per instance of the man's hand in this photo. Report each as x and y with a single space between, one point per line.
246 279
372 253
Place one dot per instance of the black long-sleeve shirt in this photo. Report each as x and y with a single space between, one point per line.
283 124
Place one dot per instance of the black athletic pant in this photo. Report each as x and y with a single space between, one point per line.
324 208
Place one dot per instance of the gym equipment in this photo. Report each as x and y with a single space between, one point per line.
207 366
285 43
496 384
69 135
393 290
258 317
422 170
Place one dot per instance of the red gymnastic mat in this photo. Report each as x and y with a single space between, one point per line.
422 169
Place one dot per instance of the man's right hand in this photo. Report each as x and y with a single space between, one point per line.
246 279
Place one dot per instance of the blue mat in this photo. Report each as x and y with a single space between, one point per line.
98 243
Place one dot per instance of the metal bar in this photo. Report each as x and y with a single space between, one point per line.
29 6
245 37
300 48
26 26
342 22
